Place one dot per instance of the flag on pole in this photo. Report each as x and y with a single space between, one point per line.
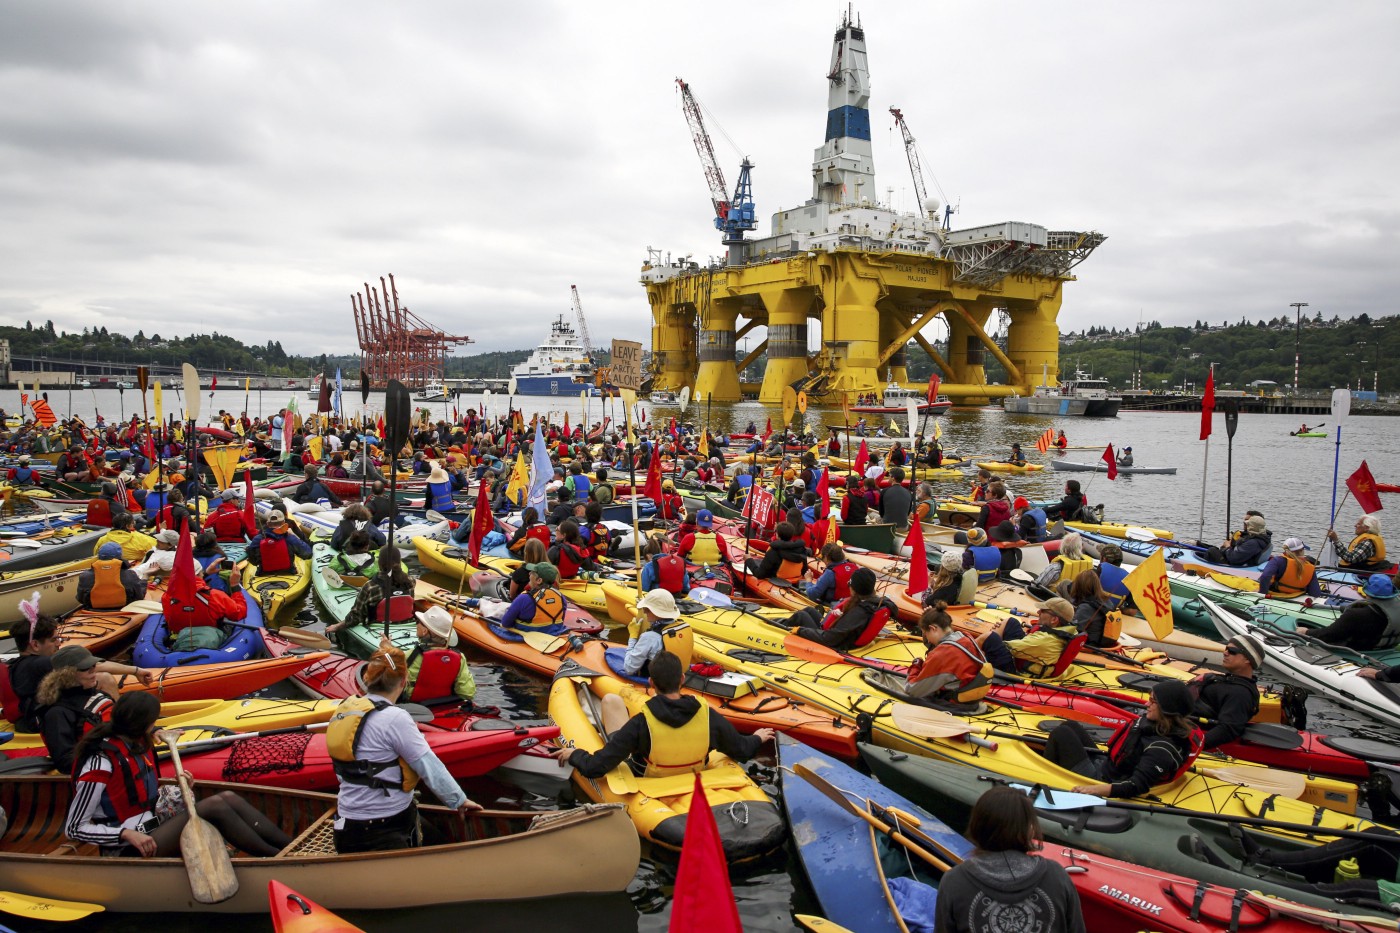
338 388
1152 593
652 487
542 471
823 492
288 425
23 398
862 460
519 484
160 410
703 901
918 558
1208 404
43 414
250 518
1112 463
937 430
179 600
767 430
1363 486
482 522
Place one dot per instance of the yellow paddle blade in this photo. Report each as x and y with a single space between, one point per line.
543 643
819 925
42 908
1269 780
931 723
148 606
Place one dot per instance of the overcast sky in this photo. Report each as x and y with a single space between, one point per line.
183 167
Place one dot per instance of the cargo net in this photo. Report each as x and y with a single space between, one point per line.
272 754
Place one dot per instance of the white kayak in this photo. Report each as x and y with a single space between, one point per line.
1073 466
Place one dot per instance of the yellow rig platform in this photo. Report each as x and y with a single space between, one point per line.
873 277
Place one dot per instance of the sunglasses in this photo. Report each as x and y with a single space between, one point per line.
1233 649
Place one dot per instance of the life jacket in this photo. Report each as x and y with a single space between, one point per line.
1072 567
669 506
1111 578
1038 516
139 787
440 497
437 675
981 683
275 555
670 572
394 608
1206 709
180 616
843 573
165 518
343 745
602 540
155 501
1294 579
704 548
540 532
998 511
99 513
582 486
549 609
987 562
571 558
1390 608
107 589
1124 745
228 523
678 749
979 492
790 570
1377 542
9 700
24 474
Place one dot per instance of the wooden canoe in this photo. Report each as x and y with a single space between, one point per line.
493 855
57 587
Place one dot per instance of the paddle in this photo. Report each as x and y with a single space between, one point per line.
838 797
305 639
800 647
206 858
148 606
544 642
43 908
936 724
192 408
396 426
217 741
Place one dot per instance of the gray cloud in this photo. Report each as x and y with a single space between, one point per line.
201 166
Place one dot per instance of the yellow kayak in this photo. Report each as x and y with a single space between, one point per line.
622 608
1118 529
274 592
450 560
1001 466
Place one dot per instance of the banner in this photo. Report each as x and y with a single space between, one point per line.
1208 404
1363 486
519 481
541 472
763 502
1152 593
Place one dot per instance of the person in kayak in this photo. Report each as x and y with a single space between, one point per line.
656 610
1068 564
1092 611
785 559
230 521
947 582
1156 748
1366 551
1367 624
1248 549
1003 877
996 507
1061 441
1017 458
1125 457
570 553
72 698
1290 574
387 596
956 669
109 583
1071 505
276 548
355 518
674 734
664 571
854 621
436 669
834 584
117 804
1030 520
379 756
1230 700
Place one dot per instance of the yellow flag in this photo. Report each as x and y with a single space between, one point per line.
937 430
222 460
160 413
629 401
1152 593
238 429
704 447
519 480
247 382
150 479
314 443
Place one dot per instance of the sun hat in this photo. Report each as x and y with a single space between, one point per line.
1379 586
438 475
109 551
705 518
545 570
1255 525
1173 698
1005 532
1059 606
74 656
660 602
438 620
1251 648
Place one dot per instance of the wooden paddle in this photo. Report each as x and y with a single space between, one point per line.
45 908
936 724
305 638
545 643
207 862
838 797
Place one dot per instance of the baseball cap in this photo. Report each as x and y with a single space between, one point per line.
1251 648
705 518
547 571
74 656
228 495
1060 607
275 517
169 537
1294 544
109 551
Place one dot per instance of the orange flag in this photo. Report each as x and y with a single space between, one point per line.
703 901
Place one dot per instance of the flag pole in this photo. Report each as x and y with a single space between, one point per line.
1206 414
1341 407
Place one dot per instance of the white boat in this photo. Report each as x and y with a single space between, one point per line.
435 392
85 384
125 384
1081 396
662 397
895 401
559 366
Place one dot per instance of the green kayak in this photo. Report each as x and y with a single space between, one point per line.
1189 614
338 597
1308 433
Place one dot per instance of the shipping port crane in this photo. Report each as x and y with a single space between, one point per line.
582 324
928 206
733 215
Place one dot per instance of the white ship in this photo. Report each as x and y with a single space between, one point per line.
559 366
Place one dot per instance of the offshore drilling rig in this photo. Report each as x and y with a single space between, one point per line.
872 276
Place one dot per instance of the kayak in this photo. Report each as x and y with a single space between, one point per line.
495 855
1241 594
748 822
1307 433
99 630
1071 466
1154 842
1001 466
336 593
292 913
56 585
47 548
1135 552
241 641
275 592
453 561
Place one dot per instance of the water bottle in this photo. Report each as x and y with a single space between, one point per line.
706 571
1347 870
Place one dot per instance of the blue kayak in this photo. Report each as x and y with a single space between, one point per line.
835 846
243 642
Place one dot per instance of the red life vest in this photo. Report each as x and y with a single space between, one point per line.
571 559
165 518
1129 737
138 775
396 607
843 572
228 523
99 513
670 572
540 533
602 540
274 554
998 511
669 506
437 675
197 612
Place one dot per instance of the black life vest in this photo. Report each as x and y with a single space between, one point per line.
1131 739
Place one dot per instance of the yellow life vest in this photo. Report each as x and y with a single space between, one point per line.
1071 568
1376 541
677 750
107 589
705 550
343 741
549 609
1294 579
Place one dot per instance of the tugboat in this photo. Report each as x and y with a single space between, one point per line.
895 401
1081 396
559 366
435 392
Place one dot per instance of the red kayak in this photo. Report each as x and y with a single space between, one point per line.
293 913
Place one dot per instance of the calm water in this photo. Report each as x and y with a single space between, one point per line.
1288 479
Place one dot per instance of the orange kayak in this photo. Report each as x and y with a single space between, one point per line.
224 681
293 913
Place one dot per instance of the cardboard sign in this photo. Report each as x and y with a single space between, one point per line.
626 368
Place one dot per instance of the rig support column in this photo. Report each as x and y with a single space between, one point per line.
787 339
965 350
717 378
672 343
852 328
1033 340
898 363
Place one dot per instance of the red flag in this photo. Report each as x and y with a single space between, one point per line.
862 461
179 596
703 901
918 558
1363 486
214 383
1042 443
566 424
767 430
823 492
482 523
1112 463
652 488
1208 404
933 383
455 416
250 518
379 428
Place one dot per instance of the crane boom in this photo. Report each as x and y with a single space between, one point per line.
714 177
911 151
582 324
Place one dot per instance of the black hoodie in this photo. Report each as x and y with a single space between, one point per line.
779 551
989 888
634 739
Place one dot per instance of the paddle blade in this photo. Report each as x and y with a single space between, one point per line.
1269 780
191 379
397 415
45 908
544 643
212 880
931 723
143 378
799 647
306 639
364 387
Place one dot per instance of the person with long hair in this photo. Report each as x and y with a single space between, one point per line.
385 597
955 669
116 801
1004 876
1091 608
1156 748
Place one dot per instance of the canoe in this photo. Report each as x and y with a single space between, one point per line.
220 681
242 640
276 591
748 822
295 913
1159 841
492 855
1001 466
57 586
1071 466
59 546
